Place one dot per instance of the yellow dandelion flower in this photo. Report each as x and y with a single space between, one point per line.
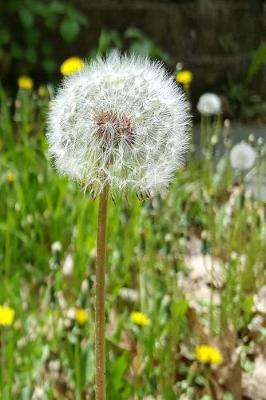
6 316
139 318
42 91
81 316
71 66
25 82
208 354
184 77
10 177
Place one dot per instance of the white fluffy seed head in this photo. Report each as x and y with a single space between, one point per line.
121 121
243 156
209 104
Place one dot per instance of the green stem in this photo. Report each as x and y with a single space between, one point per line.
100 296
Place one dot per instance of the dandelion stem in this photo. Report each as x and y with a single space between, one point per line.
100 295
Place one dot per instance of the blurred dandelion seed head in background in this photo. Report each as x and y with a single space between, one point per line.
209 104
122 121
56 247
243 156
139 318
208 355
25 82
7 315
71 66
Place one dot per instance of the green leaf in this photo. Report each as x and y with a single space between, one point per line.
4 36
118 369
31 55
257 62
49 65
248 305
116 381
133 33
27 18
108 40
180 308
69 29
141 48
17 51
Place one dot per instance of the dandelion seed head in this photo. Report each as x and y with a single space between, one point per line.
243 156
122 121
209 104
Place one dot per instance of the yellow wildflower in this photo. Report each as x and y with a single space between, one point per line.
208 354
42 91
184 77
25 82
10 177
139 318
71 66
6 316
81 316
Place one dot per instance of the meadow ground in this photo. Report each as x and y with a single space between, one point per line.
185 269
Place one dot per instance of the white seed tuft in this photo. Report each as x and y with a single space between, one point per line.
209 104
121 121
243 156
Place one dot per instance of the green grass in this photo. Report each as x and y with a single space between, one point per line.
148 244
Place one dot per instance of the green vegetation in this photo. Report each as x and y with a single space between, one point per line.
192 261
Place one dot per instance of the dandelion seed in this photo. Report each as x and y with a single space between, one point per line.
39 393
71 66
251 138
81 316
243 156
209 104
256 184
84 286
129 294
120 121
139 318
71 314
7 315
208 355
214 140
68 265
260 141
227 123
29 219
25 82
56 247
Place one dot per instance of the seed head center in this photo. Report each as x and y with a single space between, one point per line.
114 127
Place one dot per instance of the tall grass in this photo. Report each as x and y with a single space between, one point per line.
47 352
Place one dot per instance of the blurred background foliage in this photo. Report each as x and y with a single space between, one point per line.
192 261
28 30
36 36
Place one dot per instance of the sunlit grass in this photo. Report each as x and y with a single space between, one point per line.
47 350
